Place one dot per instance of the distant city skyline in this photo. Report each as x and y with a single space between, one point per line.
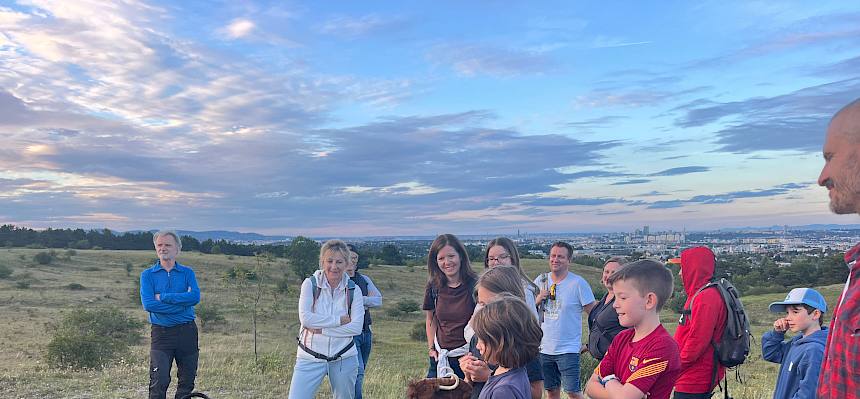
391 118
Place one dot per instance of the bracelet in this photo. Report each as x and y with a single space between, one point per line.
608 378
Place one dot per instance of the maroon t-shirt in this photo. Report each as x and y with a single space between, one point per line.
454 307
651 364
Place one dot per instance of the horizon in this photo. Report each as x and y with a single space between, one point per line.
394 119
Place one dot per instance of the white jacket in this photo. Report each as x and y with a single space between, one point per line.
325 315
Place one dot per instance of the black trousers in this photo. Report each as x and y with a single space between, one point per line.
177 343
681 395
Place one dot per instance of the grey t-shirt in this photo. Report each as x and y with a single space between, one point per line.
511 385
562 319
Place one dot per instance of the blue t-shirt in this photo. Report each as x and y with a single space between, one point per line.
562 318
511 385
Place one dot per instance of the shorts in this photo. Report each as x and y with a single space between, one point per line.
535 370
558 369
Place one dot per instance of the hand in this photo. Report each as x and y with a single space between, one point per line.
433 354
583 349
475 368
780 325
541 296
157 297
345 320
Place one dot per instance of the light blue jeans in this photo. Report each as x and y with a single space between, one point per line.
308 375
363 343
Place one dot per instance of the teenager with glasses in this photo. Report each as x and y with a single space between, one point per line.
502 251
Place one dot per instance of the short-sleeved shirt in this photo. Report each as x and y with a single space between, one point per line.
651 364
453 309
562 317
511 385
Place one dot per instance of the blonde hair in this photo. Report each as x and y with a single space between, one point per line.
337 246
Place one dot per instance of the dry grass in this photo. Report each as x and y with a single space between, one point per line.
227 367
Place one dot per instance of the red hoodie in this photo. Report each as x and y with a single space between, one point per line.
702 326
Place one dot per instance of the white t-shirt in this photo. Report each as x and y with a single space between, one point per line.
562 319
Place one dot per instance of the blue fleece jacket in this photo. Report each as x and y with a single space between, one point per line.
177 290
801 362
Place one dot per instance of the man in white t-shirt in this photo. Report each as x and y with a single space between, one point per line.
565 296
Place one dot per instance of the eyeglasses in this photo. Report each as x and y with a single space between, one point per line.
501 258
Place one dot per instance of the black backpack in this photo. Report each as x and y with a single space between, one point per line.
734 346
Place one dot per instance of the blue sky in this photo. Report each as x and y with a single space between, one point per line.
390 118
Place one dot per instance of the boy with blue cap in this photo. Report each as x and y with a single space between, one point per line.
801 356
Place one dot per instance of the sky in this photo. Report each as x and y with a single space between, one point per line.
417 118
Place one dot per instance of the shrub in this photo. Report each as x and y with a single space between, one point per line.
75 287
241 273
284 286
43 258
208 315
5 271
128 268
418 332
408 306
71 252
23 284
393 312
92 338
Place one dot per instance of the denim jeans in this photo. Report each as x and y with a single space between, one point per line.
177 343
308 375
363 342
559 370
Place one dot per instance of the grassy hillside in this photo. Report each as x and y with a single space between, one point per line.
37 295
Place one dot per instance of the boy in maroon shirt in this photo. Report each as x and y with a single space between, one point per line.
642 361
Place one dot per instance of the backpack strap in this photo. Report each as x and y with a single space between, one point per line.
350 286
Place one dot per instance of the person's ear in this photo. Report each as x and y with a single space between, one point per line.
650 301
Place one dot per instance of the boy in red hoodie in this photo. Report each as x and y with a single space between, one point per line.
696 331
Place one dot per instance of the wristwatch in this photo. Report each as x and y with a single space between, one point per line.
608 378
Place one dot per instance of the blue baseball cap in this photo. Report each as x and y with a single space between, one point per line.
800 296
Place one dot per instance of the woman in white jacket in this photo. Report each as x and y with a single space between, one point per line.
331 314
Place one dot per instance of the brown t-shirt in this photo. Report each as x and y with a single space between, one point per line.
455 307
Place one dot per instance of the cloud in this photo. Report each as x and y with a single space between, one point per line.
631 181
681 171
353 27
614 42
471 60
622 97
239 28
597 123
730 196
792 121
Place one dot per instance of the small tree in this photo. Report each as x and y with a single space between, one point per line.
303 254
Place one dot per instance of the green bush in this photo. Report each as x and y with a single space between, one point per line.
75 287
43 258
92 338
418 332
408 306
70 253
241 273
209 315
23 284
5 271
